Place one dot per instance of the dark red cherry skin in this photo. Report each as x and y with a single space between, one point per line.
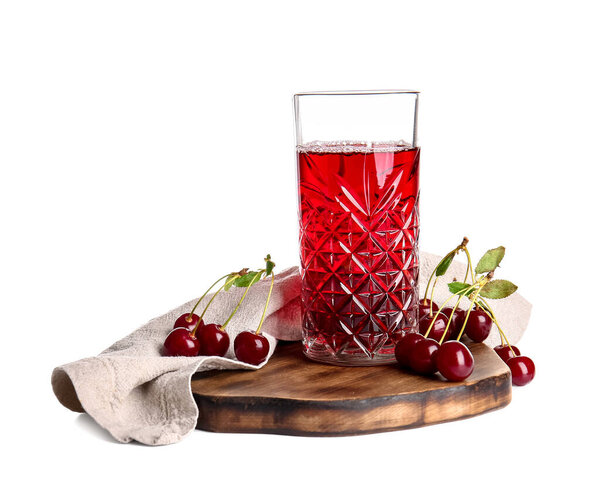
180 343
479 325
427 308
459 319
439 325
505 353
214 340
447 311
404 346
188 321
429 303
454 361
456 322
522 370
251 348
396 337
423 357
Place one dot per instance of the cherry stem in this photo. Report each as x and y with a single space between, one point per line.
470 308
262 319
449 320
427 287
468 269
258 275
233 278
432 290
492 316
462 292
466 318
470 263
462 246
204 295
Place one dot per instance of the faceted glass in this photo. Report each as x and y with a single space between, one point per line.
359 223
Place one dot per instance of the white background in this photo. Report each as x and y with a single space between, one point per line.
146 147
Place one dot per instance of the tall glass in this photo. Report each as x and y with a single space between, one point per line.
358 181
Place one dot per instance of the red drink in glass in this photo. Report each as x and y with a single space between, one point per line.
359 225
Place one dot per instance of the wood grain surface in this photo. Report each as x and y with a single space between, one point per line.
292 395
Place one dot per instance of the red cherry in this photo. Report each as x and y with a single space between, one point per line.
422 357
522 370
454 361
505 353
396 337
214 341
180 343
251 348
479 325
427 308
447 311
188 321
456 321
459 319
404 346
437 330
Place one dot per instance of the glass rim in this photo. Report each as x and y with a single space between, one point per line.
357 92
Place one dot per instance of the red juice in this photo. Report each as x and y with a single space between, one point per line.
359 229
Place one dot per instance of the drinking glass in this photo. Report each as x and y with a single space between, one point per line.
358 182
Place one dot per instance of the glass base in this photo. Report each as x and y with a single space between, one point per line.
323 354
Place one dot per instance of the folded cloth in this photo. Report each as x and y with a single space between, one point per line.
137 394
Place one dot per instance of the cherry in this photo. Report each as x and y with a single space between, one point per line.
427 308
437 330
479 325
404 346
250 347
459 319
522 370
179 342
505 353
214 340
454 361
397 336
422 357
456 321
188 321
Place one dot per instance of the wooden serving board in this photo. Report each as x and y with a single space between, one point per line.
292 395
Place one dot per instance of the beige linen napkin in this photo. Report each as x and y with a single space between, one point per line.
137 394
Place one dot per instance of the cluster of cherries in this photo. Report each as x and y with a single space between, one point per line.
437 346
190 336
453 359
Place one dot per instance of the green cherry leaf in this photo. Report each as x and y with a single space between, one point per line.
490 260
444 264
229 281
270 265
498 289
250 278
458 287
